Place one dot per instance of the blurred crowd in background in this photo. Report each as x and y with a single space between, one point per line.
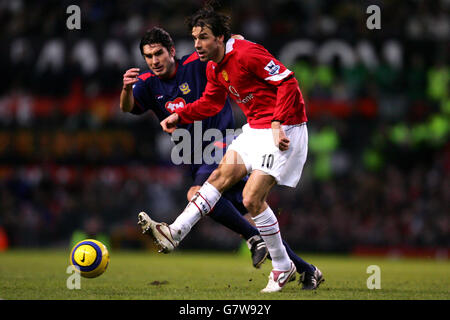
378 169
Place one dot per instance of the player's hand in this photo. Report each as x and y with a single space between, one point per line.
279 137
169 124
130 78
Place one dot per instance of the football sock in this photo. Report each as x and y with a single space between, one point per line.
267 224
226 214
200 205
300 264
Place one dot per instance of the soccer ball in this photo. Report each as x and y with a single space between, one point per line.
90 258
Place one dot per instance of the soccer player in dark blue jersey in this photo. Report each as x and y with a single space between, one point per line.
171 83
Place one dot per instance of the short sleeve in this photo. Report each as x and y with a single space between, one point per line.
142 97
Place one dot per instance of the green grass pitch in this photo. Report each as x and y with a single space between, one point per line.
182 275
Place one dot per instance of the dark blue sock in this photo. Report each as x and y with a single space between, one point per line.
300 264
226 214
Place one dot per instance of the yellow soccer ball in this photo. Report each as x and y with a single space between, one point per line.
90 258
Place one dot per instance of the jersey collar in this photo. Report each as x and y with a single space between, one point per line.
229 45
229 50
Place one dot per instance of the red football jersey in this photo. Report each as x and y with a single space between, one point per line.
261 85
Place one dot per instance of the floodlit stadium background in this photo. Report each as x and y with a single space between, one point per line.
378 173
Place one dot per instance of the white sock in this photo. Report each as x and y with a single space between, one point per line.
267 224
199 206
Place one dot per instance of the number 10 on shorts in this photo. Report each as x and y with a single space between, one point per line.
267 161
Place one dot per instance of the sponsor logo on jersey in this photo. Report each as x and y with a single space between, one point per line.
225 75
159 96
272 68
171 106
185 88
246 99
233 91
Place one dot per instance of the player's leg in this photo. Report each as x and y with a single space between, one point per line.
305 269
287 168
254 198
205 199
230 170
310 276
228 215
301 265
192 191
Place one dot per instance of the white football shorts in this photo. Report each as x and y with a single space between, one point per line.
258 151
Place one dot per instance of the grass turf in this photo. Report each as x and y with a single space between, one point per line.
137 275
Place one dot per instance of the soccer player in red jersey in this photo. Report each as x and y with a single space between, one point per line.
274 142
170 83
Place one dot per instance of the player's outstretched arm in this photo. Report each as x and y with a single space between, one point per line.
126 96
209 104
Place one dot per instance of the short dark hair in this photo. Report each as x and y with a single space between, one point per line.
219 23
156 35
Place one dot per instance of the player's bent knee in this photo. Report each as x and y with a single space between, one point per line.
252 204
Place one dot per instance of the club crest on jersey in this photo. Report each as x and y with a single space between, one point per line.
225 75
272 68
185 88
171 106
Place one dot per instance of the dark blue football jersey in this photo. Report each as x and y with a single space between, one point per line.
163 97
